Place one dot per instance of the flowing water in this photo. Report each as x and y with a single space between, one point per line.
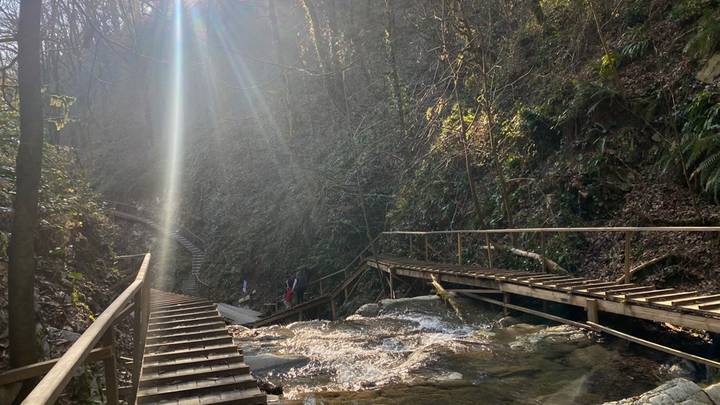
416 351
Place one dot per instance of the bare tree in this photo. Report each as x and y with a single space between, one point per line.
23 344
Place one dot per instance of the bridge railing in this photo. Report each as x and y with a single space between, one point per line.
628 231
325 283
135 298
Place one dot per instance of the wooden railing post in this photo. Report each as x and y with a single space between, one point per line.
392 284
459 248
321 287
489 250
592 310
142 314
628 235
427 249
110 366
542 243
410 244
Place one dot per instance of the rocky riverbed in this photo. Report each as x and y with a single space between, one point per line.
416 351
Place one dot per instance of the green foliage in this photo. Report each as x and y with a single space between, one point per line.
637 44
609 64
699 145
707 39
686 10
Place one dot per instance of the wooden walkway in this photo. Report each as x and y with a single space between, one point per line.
190 358
689 309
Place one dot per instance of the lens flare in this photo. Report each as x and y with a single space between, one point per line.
175 137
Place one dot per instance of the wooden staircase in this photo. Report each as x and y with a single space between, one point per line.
190 358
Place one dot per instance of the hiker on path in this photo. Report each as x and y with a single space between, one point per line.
289 291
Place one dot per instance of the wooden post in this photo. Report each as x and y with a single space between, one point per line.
321 289
300 316
592 310
627 257
138 347
489 250
392 285
111 380
410 243
506 301
333 309
427 249
459 248
542 243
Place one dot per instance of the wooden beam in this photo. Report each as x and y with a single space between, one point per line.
699 300
38 369
475 291
645 294
671 296
659 347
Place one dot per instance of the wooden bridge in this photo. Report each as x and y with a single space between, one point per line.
687 309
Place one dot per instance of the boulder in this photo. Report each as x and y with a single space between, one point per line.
368 310
268 361
711 71
677 391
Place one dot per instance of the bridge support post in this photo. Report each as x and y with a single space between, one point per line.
110 368
333 309
459 249
489 251
427 249
392 284
591 307
506 301
628 235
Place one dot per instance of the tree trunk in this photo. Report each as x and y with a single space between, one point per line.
391 55
290 115
323 55
23 344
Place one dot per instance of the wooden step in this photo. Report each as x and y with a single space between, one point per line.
193 374
187 344
170 324
191 362
187 335
165 356
153 394
251 396
183 310
182 317
187 328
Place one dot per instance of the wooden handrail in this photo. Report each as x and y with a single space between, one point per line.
344 269
52 385
566 230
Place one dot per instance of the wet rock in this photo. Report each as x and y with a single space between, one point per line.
713 392
550 336
269 361
368 310
507 321
679 369
63 334
677 391
268 387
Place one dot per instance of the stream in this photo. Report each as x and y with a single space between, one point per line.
416 351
